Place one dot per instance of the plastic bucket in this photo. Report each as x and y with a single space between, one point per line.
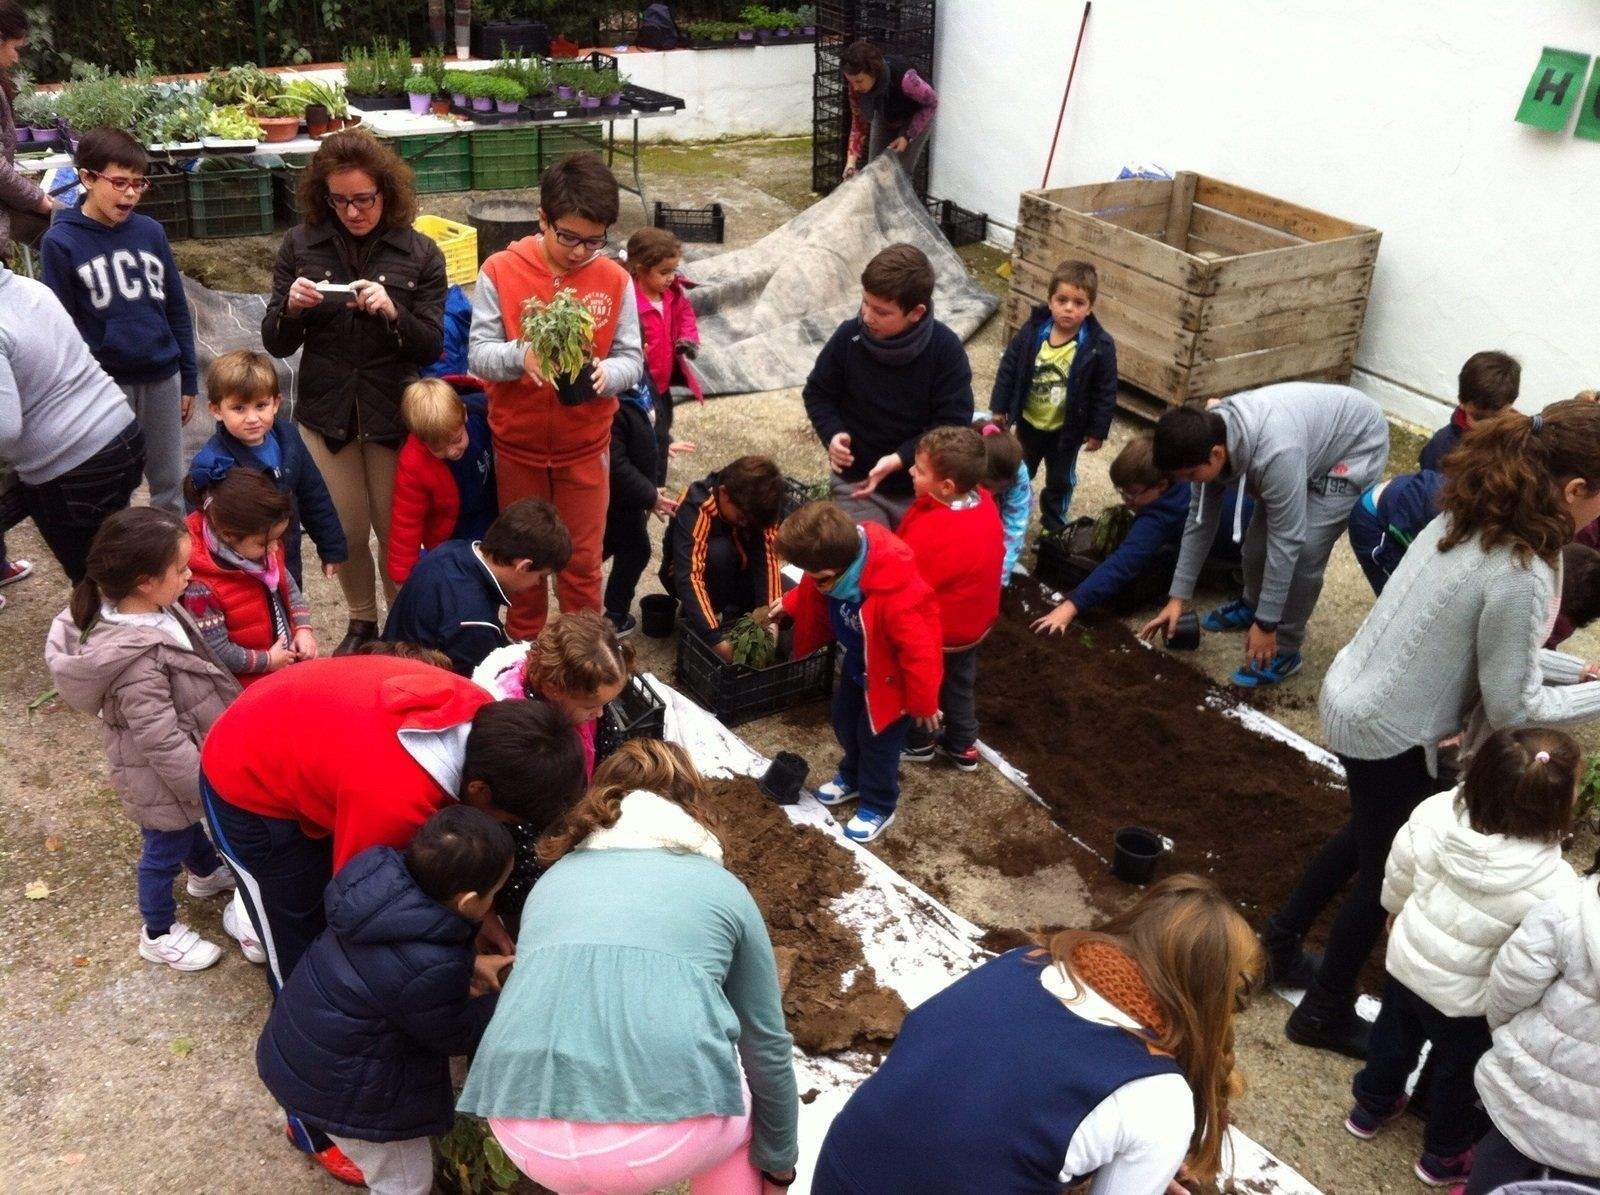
658 614
501 221
1136 853
784 777
1187 636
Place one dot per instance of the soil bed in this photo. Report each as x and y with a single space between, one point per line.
830 996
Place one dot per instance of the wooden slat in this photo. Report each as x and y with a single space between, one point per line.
1092 196
1201 247
1248 370
1180 208
1275 331
1142 405
1238 236
1237 306
1142 253
1157 375
1274 213
1301 261
1150 220
1031 270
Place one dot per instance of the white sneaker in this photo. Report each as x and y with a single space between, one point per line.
242 932
866 827
215 884
180 948
836 792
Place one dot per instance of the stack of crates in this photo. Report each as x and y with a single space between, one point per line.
505 159
229 197
440 161
903 29
167 200
557 141
286 187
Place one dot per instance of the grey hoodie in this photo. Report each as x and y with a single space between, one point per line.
1282 441
57 406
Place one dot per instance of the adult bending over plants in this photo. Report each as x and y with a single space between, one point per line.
361 348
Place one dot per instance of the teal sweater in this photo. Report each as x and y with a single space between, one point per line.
643 978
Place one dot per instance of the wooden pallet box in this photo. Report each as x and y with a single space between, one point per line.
1208 288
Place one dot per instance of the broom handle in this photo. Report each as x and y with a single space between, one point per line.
1060 116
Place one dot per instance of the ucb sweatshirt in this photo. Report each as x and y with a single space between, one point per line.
123 290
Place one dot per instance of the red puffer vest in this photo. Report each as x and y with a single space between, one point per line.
242 597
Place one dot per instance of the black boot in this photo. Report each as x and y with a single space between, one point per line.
1288 963
1328 1022
361 631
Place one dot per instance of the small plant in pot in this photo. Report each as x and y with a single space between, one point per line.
419 93
607 84
37 111
507 94
455 82
753 645
560 335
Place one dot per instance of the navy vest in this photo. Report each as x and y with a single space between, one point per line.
982 1092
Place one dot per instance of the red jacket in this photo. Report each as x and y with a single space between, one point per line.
900 615
424 510
960 554
661 329
242 597
319 743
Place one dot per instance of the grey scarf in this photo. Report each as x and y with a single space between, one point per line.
906 347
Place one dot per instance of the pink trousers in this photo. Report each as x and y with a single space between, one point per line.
571 1158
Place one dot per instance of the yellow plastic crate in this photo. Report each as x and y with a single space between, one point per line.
459 243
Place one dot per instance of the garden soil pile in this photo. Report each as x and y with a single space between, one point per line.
830 997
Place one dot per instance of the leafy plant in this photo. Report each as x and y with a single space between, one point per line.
96 98
560 333
759 16
392 62
319 91
477 85
455 82
360 73
35 109
172 113
1111 528
579 77
606 82
247 84
714 31
752 643
433 69
473 1160
531 72
504 90
233 123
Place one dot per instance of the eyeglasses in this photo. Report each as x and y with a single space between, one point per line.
573 241
361 203
122 182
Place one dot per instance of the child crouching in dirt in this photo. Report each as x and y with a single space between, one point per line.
1006 477
127 651
863 591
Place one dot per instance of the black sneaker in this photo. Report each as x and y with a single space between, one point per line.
624 624
1325 1024
917 754
966 760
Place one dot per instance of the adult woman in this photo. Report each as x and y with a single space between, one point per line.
24 208
1455 639
891 107
640 1039
362 348
1108 1051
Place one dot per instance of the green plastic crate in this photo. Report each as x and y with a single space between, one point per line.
503 159
557 141
229 199
285 185
167 200
441 161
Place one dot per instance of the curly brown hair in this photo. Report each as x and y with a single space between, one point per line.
650 765
1504 480
577 653
357 149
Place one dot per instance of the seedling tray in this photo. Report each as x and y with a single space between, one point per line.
736 694
636 713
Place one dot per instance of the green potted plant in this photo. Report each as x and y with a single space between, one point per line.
469 1160
396 71
37 110
480 90
360 74
419 93
96 98
560 334
607 84
279 117
507 94
230 128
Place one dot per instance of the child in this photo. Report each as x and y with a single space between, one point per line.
127 651
113 271
717 557
634 496
1006 477
953 531
1147 554
1537 1081
886 376
359 1041
444 477
667 325
242 392
242 595
452 599
1388 517
542 448
1580 592
1462 874
1488 384
862 590
1057 386
1306 451
577 665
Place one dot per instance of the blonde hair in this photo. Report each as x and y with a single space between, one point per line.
243 373
650 765
577 653
433 411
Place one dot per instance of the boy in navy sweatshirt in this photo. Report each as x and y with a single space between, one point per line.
1388 517
113 271
1488 383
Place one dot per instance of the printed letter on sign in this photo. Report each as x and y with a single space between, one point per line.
1553 89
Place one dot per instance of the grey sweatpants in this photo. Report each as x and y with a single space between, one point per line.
391 1167
158 408
877 507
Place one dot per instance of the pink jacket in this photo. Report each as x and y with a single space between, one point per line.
510 685
663 329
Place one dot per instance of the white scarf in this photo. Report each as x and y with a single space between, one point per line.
652 823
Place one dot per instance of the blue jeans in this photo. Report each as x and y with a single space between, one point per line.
165 854
871 762
1058 453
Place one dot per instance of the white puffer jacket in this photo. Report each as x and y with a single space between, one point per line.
1459 895
1541 1081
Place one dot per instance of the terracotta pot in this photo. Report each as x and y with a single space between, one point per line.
441 105
278 128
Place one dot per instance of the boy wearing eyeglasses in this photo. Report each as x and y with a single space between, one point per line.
113 271
544 448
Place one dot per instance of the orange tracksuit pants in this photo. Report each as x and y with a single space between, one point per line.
580 493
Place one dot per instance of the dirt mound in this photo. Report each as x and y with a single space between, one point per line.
795 872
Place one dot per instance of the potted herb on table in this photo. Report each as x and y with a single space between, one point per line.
480 91
419 94
507 94
36 110
560 334
455 83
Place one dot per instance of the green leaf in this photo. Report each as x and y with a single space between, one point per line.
183 1046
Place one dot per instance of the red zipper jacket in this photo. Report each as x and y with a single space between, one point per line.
959 554
662 328
243 598
900 615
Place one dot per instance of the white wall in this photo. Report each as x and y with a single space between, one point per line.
1391 113
760 91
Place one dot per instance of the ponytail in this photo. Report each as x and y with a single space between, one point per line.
85 604
1503 483
131 546
1521 783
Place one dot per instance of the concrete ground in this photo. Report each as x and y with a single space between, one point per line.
119 1076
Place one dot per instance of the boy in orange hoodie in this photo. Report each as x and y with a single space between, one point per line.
953 529
543 448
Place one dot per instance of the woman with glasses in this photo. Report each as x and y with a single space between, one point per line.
24 209
362 295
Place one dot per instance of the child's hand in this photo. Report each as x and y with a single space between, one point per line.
602 379
330 570
492 936
1094 443
666 505
898 145
530 366
885 466
1591 670
305 644
689 349
724 651
1165 623
185 408
774 612
851 169
932 722
680 447
489 972
839 454
1058 620
279 656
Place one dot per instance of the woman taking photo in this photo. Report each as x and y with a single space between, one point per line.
1455 641
640 1040
24 208
362 343
1106 1052
891 107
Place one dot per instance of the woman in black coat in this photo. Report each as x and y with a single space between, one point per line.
360 346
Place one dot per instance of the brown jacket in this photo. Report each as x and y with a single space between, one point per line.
157 702
17 190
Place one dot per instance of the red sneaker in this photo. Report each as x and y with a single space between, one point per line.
332 1159
14 570
966 760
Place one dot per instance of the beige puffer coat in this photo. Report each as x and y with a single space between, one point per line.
157 702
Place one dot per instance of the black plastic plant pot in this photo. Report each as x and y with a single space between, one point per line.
784 777
658 614
1136 853
1187 636
576 389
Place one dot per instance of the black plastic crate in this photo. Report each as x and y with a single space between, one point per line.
167 200
1063 560
516 37
736 694
691 223
635 713
960 227
797 493
643 99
